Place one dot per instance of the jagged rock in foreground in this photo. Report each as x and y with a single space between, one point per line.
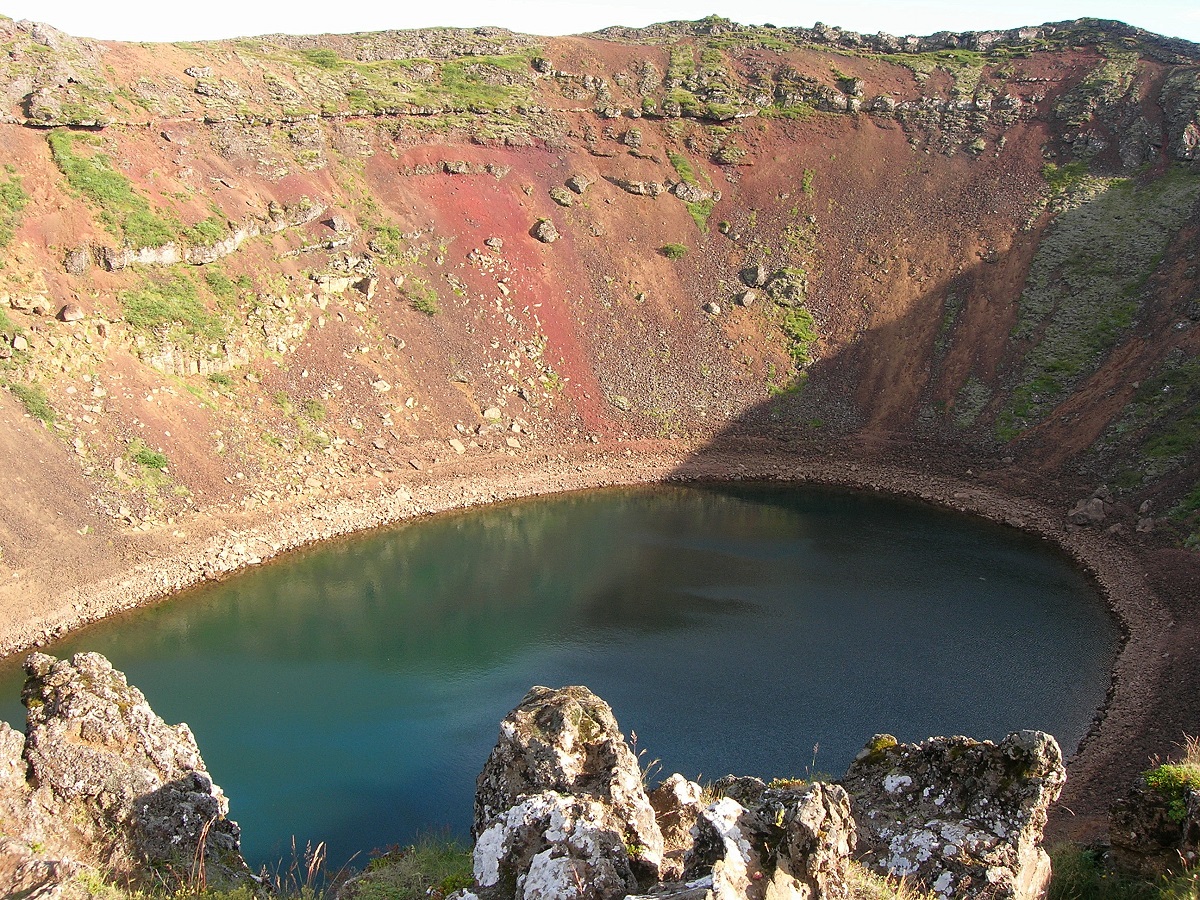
561 812
786 843
1152 834
100 780
568 741
963 817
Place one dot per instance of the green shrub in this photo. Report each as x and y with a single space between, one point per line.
35 401
673 251
1175 781
149 459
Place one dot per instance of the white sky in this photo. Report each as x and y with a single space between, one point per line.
178 20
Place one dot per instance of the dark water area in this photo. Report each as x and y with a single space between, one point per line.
350 693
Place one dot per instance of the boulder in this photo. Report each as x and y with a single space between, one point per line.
578 183
567 741
690 193
545 231
78 261
1154 833
787 287
1088 511
115 782
72 312
638 188
961 817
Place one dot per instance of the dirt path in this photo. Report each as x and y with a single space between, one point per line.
1141 718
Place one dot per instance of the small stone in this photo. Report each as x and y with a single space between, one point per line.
713 309
562 196
578 183
513 443
493 414
494 243
622 403
746 298
19 342
415 463
381 386
754 276
457 446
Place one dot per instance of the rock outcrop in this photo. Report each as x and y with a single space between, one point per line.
1154 833
561 813
567 741
962 817
100 780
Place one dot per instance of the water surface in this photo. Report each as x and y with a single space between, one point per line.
350 693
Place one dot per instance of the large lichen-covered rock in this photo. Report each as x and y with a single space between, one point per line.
962 817
789 844
1155 832
567 740
553 846
120 787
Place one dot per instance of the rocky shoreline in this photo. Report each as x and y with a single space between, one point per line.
234 540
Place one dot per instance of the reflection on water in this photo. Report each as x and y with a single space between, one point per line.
351 693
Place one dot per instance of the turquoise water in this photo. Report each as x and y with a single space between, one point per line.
350 693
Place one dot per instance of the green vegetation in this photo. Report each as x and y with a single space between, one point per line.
33 398
13 200
223 287
326 59
1086 286
683 167
124 212
172 308
700 211
673 251
148 459
1062 179
806 181
422 296
1079 873
801 332
206 232
431 867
